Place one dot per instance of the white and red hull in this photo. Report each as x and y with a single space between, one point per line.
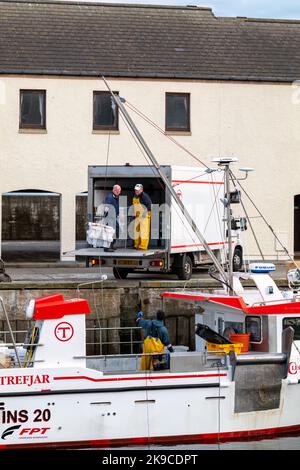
69 407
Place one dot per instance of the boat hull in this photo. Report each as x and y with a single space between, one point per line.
84 409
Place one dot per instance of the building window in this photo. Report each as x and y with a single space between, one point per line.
32 109
178 112
105 111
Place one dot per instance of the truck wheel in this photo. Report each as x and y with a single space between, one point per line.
120 273
237 260
184 272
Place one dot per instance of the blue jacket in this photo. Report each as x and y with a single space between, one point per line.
113 200
154 328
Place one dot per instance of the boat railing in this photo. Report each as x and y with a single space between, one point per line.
117 342
105 338
282 301
112 359
187 361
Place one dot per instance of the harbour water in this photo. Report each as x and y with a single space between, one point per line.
282 443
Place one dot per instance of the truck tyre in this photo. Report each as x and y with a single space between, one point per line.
237 259
184 272
120 273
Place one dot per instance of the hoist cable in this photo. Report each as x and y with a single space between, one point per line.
159 129
268 225
234 181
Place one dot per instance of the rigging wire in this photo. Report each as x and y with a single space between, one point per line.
218 221
268 225
234 181
107 156
219 406
92 283
212 271
147 408
177 210
167 136
190 180
149 121
159 129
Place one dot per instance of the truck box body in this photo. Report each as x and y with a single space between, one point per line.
172 239
200 193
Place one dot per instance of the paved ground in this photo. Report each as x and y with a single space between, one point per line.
29 261
59 273
52 273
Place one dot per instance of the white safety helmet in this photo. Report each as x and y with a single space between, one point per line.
139 186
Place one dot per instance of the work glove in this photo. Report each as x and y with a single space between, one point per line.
170 349
140 314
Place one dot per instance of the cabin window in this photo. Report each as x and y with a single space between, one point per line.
253 326
295 324
105 114
178 112
234 327
32 109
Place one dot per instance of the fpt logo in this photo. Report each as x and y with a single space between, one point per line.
25 433
9 431
64 331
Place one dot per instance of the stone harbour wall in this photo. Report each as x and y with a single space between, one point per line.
113 310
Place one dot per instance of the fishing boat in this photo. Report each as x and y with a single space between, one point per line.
57 396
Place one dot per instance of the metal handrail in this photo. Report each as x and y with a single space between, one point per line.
264 302
100 343
10 331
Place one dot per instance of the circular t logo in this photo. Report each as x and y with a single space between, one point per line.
64 331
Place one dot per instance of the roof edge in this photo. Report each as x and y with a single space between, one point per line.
125 5
157 6
178 76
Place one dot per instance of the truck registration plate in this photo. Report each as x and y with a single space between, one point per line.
126 262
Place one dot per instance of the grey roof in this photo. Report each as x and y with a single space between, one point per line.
68 38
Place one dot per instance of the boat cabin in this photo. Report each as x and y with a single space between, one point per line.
261 313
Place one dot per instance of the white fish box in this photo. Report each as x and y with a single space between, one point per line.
100 235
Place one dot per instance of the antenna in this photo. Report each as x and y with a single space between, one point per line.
246 170
226 162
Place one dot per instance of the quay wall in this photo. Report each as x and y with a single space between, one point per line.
113 305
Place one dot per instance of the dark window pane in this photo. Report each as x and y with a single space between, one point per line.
253 326
178 111
32 109
294 323
105 112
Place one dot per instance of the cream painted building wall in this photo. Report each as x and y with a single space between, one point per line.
256 122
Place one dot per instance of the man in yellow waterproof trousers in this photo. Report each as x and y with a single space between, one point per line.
156 338
142 212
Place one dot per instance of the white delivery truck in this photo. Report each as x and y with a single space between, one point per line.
173 246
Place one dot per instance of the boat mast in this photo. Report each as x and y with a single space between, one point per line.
155 163
225 162
229 235
228 223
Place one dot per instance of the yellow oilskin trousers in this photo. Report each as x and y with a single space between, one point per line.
151 345
141 226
